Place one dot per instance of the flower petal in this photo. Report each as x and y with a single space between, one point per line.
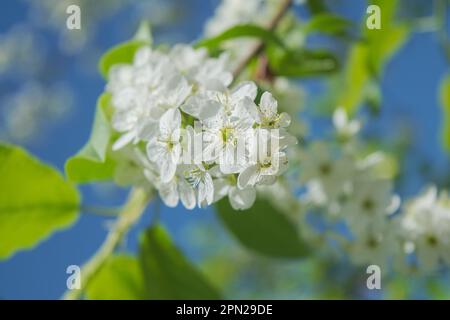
248 177
187 194
168 193
244 89
268 105
242 199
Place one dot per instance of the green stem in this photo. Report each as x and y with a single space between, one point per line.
100 211
129 215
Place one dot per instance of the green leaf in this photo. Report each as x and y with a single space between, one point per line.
124 53
263 229
119 279
121 54
445 102
366 60
355 78
301 63
167 273
316 6
91 162
240 31
35 200
328 23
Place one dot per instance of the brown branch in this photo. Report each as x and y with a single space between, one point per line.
259 46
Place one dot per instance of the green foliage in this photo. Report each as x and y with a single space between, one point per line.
240 31
91 163
301 62
367 58
119 279
316 6
263 229
328 23
445 102
382 44
167 273
34 200
124 52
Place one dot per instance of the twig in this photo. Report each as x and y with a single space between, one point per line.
100 211
257 47
131 212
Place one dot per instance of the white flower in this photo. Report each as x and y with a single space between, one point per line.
318 162
374 247
208 103
175 190
202 105
213 74
228 133
232 12
179 107
369 205
165 149
268 116
207 73
151 68
240 199
130 115
170 95
186 58
345 128
269 160
426 223
200 179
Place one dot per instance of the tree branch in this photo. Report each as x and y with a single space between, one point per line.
257 47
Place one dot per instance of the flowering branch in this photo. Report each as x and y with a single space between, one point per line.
130 214
257 48
138 198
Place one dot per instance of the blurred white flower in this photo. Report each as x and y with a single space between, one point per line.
426 223
368 205
345 128
318 162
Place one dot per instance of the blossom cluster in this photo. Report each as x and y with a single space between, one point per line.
203 139
425 226
349 189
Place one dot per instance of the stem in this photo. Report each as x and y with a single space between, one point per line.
129 215
257 47
100 211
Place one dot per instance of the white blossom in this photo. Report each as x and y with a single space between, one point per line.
345 128
196 130
426 224
240 199
165 148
